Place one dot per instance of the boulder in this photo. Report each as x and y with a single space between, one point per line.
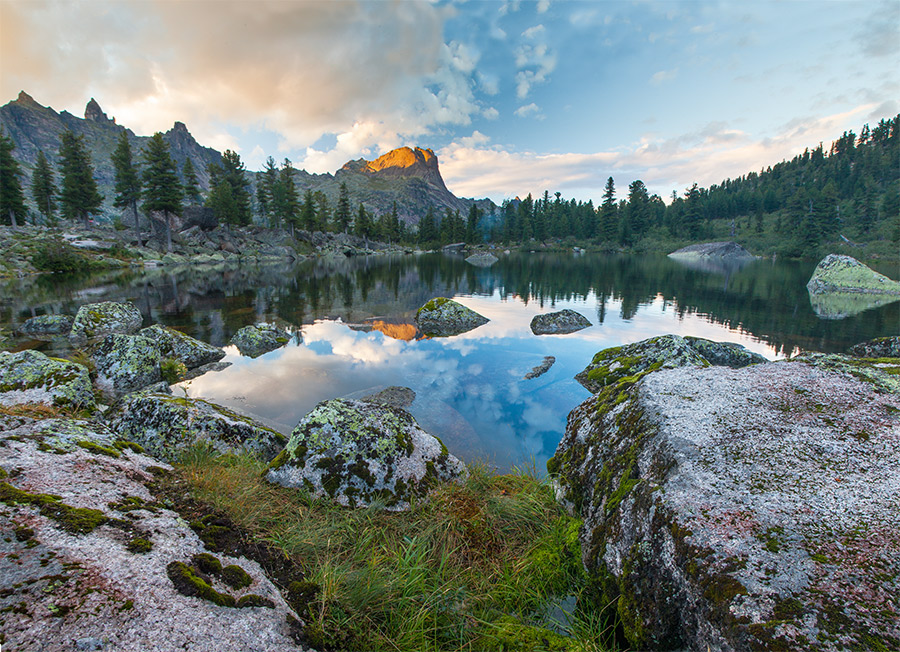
86 555
482 259
199 216
730 250
627 362
175 344
98 319
126 363
557 323
542 368
844 274
32 377
47 325
256 339
880 347
441 317
394 396
359 453
741 509
165 425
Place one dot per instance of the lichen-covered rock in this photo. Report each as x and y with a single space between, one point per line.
741 509
880 347
713 250
562 321
845 274
84 557
542 368
482 259
165 425
442 317
32 377
98 319
125 363
630 361
394 396
358 453
256 339
47 325
175 344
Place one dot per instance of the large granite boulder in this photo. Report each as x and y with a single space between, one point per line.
126 363
880 347
256 339
359 452
184 348
166 425
47 325
730 250
98 319
32 377
482 259
742 509
91 560
844 274
612 365
442 317
560 322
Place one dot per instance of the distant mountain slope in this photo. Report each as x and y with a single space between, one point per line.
35 128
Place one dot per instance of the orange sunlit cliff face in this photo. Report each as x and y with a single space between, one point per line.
407 162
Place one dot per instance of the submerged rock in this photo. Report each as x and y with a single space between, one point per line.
482 259
442 317
47 325
126 363
741 509
175 344
32 377
256 339
83 563
99 319
844 274
629 361
165 425
880 347
358 453
713 250
542 368
560 322
394 396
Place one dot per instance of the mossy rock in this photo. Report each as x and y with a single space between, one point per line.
126 363
558 323
32 377
184 348
257 339
845 274
442 317
880 347
166 425
47 325
358 453
95 320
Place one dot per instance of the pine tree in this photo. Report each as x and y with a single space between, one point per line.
232 173
608 217
128 182
308 212
265 191
342 213
190 183
287 202
12 201
79 197
472 225
427 229
363 225
162 191
43 188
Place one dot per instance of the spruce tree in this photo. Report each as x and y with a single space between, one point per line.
190 183
428 232
12 201
265 192
342 213
79 197
43 188
287 202
128 181
472 225
608 218
308 212
363 225
162 190
233 174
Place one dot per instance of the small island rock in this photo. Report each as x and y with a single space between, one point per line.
32 377
560 322
99 319
836 273
47 325
256 339
730 250
442 317
184 348
482 259
358 453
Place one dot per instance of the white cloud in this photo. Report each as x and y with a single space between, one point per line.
534 32
490 113
663 76
529 110
543 6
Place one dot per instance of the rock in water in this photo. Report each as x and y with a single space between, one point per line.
358 453
836 273
32 377
441 317
724 354
742 509
880 347
542 368
393 396
175 344
256 339
166 425
713 250
482 259
126 363
556 323
47 325
99 319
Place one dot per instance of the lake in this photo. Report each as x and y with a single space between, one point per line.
354 330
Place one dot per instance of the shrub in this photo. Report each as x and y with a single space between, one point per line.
58 256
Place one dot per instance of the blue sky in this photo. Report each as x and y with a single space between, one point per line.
514 97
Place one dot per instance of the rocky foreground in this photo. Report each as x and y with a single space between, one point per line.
749 508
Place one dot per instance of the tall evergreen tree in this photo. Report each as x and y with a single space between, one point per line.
428 232
128 182
79 197
342 212
232 173
308 212
472 225
190 183
162 190
286 200
43 188
363 224
265 191
12 201
608 217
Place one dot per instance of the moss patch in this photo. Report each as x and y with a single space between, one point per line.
188 583
78 520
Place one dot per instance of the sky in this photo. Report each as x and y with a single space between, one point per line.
514 97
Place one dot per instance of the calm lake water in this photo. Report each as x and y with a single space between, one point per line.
355 333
